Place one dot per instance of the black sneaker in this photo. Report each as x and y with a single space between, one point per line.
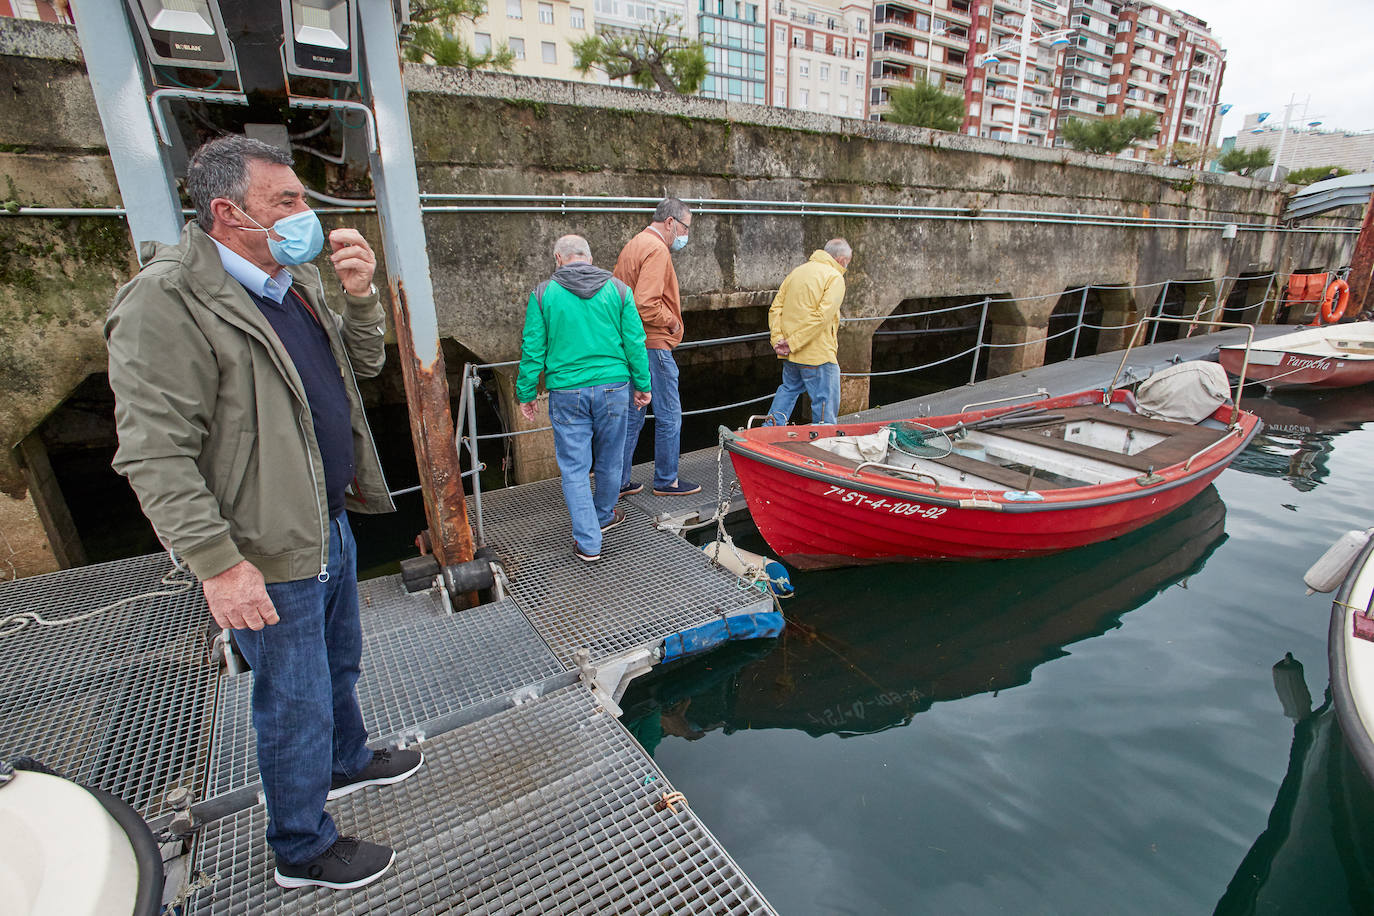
349 863
617 516
387 766
631 488
678 487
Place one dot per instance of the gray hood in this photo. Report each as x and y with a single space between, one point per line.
581 279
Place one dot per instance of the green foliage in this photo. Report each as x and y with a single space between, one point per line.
431 36
1315 173
924 104
1108 136
1246 162
656 56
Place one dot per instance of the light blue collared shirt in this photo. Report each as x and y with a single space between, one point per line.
254 278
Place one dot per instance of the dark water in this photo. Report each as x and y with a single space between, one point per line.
1098 732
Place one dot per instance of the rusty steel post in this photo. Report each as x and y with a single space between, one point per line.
412 291
1362 263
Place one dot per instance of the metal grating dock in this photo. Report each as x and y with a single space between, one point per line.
648 585
120 695
544 808
420 668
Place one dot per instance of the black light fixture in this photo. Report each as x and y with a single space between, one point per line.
321 38
183 33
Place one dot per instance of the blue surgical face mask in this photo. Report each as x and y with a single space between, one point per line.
302 237
679 243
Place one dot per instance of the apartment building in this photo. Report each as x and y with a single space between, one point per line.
1137 57
991 93
539 32
735 36
819 55
919 39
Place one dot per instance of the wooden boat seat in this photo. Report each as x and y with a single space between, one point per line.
1012 480
1181 443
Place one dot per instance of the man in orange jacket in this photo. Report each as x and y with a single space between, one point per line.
646 267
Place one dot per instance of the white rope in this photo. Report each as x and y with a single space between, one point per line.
176 586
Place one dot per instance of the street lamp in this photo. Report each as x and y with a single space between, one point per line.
1055 39
930 48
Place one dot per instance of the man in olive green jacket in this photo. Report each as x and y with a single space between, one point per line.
241 430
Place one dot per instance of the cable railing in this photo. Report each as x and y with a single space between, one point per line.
468 441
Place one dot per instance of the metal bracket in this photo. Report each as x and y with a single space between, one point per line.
609 677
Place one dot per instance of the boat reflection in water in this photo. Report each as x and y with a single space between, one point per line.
865 653
1311 857
1297 433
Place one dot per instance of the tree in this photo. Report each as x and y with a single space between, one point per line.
658 56
1246 162
1108 136
924 104
1315 173
431 36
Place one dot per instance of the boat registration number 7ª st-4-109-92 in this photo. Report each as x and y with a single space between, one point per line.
893 507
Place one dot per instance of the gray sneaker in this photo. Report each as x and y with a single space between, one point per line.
350 863
387 766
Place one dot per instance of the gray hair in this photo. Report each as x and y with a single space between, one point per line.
572 246
220 169
838 248
671 208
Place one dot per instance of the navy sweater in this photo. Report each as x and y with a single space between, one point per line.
308 345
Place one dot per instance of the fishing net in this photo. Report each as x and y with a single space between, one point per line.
918 440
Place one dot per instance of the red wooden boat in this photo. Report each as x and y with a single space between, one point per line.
1334 356
1074 472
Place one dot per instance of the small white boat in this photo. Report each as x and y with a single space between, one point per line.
1332 356
1350 644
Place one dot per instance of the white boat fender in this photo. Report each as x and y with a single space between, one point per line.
749 565
1330 570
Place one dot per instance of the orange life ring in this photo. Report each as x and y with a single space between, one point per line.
1339 291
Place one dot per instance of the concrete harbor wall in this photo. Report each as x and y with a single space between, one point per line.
498 135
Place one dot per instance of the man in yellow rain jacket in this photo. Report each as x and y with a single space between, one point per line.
803 327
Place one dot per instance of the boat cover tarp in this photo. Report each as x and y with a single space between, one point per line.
741 624
872 447
1185 393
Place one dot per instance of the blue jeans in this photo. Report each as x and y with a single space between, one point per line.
305 701
589 435
821 383
667 421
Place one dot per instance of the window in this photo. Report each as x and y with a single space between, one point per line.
804 68
550 52
546 13
844 76
517 47
576 19
481 42
513 10
780 97
779 66
844 105
859 52
780 35
825 101
824 72
804 98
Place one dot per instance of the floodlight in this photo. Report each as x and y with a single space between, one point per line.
1225 108
991 59
1314 123
321 38
183 33
1060 41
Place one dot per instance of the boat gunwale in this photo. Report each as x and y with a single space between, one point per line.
1353 727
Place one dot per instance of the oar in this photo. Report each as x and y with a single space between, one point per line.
1003 421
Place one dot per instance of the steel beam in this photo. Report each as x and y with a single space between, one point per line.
411 289
140 161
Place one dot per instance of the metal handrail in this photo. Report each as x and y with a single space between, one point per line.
1159 319
896 469
1233 431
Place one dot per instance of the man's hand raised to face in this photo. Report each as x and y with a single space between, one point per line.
353 260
